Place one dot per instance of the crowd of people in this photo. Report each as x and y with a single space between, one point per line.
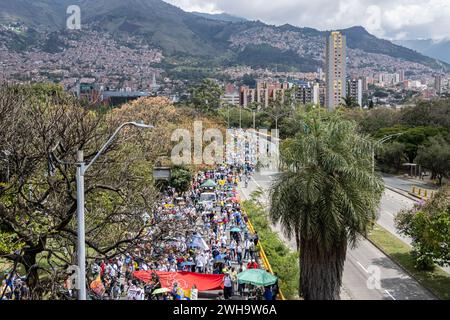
214 239
209 236
14 287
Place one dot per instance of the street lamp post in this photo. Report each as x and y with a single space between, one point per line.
81 171
253 115
240 117
381 141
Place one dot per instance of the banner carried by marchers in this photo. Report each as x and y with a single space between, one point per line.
185 280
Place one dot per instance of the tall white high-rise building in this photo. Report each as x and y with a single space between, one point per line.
336 71
316 94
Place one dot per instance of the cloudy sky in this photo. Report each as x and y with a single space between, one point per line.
390 19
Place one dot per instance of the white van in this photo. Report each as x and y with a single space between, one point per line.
208 198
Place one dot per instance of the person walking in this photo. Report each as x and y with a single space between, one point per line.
239 253
233 249
247 248
227 287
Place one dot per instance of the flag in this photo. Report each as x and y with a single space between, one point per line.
97 286
185 280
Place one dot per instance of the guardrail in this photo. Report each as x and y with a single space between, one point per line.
263 255
423 193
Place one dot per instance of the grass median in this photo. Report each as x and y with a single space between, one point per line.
437 281
282 260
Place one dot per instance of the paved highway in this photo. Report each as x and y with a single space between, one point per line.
364 261
391 204
405 184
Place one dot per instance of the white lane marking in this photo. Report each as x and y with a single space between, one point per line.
390 295
257 184
362 266
387 212
245 193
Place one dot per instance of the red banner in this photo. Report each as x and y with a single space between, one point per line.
185 280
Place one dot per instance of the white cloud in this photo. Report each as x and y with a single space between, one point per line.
384 18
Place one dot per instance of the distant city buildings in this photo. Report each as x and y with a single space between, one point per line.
263 94
310 92
355 90
336 73
231 95
87 90
438 83
154 86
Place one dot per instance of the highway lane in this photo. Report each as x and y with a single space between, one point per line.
363 262
405 184
391 204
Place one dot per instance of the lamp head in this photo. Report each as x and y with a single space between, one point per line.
140 124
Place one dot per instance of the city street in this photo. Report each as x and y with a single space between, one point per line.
405 184
395 284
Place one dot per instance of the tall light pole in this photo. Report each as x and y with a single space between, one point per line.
381 141
254 116
82 167
228 109
240 117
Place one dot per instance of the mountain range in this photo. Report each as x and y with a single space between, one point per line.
435 49
208 39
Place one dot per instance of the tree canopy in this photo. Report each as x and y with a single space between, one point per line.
435 156
428 224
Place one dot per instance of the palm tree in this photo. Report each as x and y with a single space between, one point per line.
349 102
326 196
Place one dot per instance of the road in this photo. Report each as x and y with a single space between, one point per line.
405 184
361 261
391 204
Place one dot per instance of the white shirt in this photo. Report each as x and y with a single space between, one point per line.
227 281
135 293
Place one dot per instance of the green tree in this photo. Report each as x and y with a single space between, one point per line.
349 102
429 227
427 113
393 154
205 96
38 194
248 80
435 156
412 137
279 109
180 178
325 198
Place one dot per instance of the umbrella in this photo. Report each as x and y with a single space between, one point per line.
160 290
257 277
235 229
220 258
208 184
219 261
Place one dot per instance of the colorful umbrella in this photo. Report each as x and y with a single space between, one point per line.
208 184
257 277
160 290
